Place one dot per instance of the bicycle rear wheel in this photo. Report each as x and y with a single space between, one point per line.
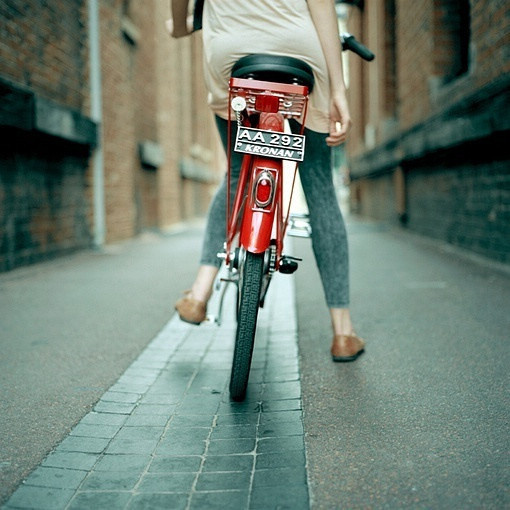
250 283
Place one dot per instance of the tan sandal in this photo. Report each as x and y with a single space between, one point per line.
347 348
191 310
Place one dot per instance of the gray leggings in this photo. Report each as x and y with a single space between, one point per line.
329 238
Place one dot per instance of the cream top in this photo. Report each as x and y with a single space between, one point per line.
235 28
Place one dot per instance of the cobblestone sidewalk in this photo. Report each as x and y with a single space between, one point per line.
166 435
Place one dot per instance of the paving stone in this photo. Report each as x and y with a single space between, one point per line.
128 462
229 463
278 429
139 372
152 363
140 433
205 392
238 419
280 444
161 398
111 480
175 464
275 366
282 405
223 500
149 420
281 498
254 390
223 481
231 446
234 431
186 435
148 378
166 482
181 448
94 418
71 460
281 417
138 447
282 376
131 388
173 378
243 408
191 420
256 378
125 398
197 406
280 459
56 478
164 409
114 407
40 498
278 477
284 390
104 431
83 444
158 502
100 500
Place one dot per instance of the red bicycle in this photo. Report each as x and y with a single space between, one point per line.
264 92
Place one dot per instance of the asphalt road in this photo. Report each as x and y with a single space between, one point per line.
421 420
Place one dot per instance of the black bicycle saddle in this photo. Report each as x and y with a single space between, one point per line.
275 68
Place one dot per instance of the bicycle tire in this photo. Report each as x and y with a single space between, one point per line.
250 283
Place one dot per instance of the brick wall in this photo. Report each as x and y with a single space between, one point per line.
43 207
153 91
155 125
43 46
439 167
465 203
44 204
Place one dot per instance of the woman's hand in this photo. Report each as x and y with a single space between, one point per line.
324 18
339 120
180 25
179 31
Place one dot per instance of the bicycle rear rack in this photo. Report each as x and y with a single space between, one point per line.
293 98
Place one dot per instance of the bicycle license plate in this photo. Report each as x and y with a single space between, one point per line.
270 143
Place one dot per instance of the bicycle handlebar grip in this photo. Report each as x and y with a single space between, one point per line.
350 43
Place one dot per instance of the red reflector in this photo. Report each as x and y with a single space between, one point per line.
267 103
263 191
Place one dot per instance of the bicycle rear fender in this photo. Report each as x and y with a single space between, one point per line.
258 221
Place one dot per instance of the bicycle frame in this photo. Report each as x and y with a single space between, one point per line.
261 224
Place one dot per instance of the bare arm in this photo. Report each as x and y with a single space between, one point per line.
179 26
324 18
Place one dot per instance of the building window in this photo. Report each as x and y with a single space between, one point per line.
390 59
452 36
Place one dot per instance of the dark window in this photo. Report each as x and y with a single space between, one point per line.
390 58
452 37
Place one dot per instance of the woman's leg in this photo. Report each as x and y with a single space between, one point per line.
193 305
329 236
329 241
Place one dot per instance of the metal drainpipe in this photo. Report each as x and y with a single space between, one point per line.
97 117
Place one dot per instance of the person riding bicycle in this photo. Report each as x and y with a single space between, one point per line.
306 30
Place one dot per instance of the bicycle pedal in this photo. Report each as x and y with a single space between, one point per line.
287 266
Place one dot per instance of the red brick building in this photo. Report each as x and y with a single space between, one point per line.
97 149
429 146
